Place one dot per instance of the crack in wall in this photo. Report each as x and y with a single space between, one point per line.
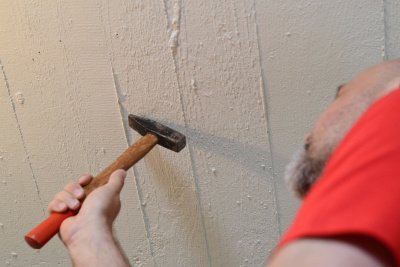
267 118
22 137
176 27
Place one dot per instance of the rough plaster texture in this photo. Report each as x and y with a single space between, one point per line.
244 80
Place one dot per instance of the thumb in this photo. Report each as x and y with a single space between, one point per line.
116 181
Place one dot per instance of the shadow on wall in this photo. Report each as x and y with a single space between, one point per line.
246 155
185 196
186 199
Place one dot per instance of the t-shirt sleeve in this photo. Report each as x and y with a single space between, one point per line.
359 191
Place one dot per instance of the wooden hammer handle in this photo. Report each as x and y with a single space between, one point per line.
42 233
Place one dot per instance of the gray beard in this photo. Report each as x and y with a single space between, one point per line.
302 172
304 169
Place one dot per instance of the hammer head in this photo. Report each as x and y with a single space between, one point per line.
167 137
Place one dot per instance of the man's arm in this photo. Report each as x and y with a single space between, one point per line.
346 251
88 235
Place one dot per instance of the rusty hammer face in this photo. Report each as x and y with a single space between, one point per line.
153 133
166 136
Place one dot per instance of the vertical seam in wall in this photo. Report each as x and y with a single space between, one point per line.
22 137
384 26
118 93
265 100
192 161
135 172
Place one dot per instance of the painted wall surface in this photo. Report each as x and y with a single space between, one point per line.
243 80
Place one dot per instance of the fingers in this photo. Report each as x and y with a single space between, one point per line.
69 198
85 179
73 192
74 189
62 201
56 206
116 181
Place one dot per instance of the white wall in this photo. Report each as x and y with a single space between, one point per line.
243 80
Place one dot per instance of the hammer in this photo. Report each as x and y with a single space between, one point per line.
153 133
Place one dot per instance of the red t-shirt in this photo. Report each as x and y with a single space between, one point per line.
359 191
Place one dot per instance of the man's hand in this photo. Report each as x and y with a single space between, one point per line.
88 235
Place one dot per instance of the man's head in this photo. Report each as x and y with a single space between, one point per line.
351 101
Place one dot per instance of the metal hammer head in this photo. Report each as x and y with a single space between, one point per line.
167 137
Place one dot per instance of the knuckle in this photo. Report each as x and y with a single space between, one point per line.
50 207
51 204
63 195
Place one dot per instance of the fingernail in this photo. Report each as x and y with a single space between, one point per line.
74 203
61 205
78 192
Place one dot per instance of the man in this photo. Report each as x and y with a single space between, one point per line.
348 217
